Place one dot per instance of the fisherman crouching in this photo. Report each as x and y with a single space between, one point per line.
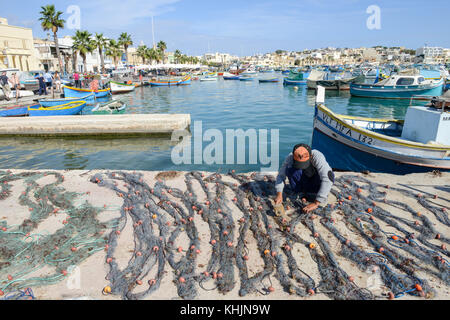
309 175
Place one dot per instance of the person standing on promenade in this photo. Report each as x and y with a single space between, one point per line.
42 87
57 82
76 78
15 84
309 175
48 81
4 83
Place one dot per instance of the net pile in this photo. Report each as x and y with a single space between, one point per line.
29 259
161 214
239 213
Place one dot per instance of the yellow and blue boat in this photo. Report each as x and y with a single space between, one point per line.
89 98
70 92
420 143
168 83
67 109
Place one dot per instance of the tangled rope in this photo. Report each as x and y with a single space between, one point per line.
238 210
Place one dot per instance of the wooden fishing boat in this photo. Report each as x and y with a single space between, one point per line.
15 111
56 102
247 78
67 109
230 76
168 83
111 107
208 78
117 87
295 78
420 143
70 92
330 81
399 87
269 80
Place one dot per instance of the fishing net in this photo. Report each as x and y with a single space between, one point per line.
29 259
239 212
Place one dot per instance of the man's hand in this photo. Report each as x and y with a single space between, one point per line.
311 207
279 198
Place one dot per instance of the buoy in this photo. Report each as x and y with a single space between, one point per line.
391 296
139 253
266 252
107 290
152 282
311 292
109 260
182 280
10 277
245 258
351 279
418 287
155 248
271 289
312 245
369 210
316 235
230 244
213 242
139 282
206 273
394 237
349 198
1 293
438 236
180 249
381 250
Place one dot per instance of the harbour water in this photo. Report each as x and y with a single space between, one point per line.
219 105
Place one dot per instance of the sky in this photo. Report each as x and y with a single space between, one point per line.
248 27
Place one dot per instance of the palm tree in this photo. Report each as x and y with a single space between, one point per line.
114 51
101 42
125 41
162 48
51 20
152 55
177 55
142 52
83 44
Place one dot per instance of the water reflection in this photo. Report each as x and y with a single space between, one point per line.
219 105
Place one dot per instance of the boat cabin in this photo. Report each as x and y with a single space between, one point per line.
403 81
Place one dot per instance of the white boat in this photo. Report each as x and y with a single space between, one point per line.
117 87
420 143
208 79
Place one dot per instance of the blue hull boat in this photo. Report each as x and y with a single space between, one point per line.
268 80
90 98
231 78
67 109
246 79
394 89
15 112
70 92
288 82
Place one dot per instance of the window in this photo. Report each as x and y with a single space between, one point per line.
405 81
420 80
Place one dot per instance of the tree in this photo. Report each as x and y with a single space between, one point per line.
51 20
83 44
125 41
100 42
162 48
141 52
114 51
177 55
